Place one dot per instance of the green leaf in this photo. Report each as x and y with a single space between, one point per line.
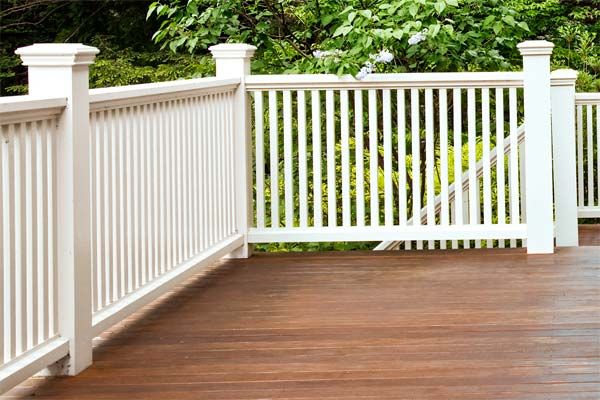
413 9
509 20
342 30
497 27
368 14
151 9
397 33
453 3
326 19
192 43
176 43
439 7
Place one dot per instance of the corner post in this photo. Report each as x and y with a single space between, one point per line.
538 144
563 150
233 61
61 70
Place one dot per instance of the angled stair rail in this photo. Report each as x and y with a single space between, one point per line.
394 245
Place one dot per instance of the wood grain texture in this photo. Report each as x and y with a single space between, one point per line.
589 235
454 324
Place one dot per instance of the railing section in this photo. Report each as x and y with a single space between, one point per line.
588 156
162 204
28 287
368 160
162 186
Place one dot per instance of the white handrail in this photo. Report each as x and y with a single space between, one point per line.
114 97
587 98
16 109
386 81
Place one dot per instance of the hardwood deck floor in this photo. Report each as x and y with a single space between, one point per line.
589 235
475 324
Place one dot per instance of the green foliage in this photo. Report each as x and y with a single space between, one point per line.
472 36
465 35
128 67
574 27
119 29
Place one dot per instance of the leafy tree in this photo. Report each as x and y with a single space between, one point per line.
118 28
472 35
574 27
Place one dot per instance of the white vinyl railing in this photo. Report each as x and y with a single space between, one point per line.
28 292
110 197
394 143
162 184
588 156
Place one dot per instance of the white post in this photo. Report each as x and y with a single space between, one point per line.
565 163
538 144
61 70
233 61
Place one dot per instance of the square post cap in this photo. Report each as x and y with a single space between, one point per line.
535 48
563 77
57 54
232 50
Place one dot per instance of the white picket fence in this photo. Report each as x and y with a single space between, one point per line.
588 154
112 196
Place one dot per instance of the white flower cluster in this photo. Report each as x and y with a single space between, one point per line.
383 57
418 37
366 70
327 53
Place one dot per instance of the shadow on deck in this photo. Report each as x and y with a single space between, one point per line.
475 324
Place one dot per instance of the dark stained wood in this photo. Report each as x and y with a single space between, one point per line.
450 325
589 235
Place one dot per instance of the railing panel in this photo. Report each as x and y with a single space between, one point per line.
162 188
28 283
588 157
400 158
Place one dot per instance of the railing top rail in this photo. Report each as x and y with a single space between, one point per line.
386 81
113 97
587 98
14 109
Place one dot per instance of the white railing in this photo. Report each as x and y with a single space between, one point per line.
162 186
588 156
28 290
370 126
110 197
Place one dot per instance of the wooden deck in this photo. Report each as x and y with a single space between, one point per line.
476 324
589 235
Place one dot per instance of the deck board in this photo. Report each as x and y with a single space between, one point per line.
472 324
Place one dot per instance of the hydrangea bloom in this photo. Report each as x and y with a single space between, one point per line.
418 37
384 56
368 68
362 74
